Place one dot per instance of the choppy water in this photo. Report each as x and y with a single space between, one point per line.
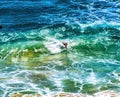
33 59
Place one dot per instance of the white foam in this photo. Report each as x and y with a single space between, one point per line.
44 32
13 50
53 45
99 22
92 78
14 59
2 50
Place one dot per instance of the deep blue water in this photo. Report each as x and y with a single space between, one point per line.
29 14
33 58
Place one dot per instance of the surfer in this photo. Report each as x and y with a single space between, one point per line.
65 44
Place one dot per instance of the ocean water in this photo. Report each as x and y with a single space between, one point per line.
33 58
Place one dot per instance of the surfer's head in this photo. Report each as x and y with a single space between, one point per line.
65 44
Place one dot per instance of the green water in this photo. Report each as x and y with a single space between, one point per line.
35 61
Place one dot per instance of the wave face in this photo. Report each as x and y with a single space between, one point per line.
33 58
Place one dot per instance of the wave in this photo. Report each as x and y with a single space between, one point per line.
66 30
89 64
95 39
66 45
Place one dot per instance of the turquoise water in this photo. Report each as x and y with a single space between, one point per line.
90 63
34 60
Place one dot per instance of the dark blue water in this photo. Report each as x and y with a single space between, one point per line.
33 58
29 14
